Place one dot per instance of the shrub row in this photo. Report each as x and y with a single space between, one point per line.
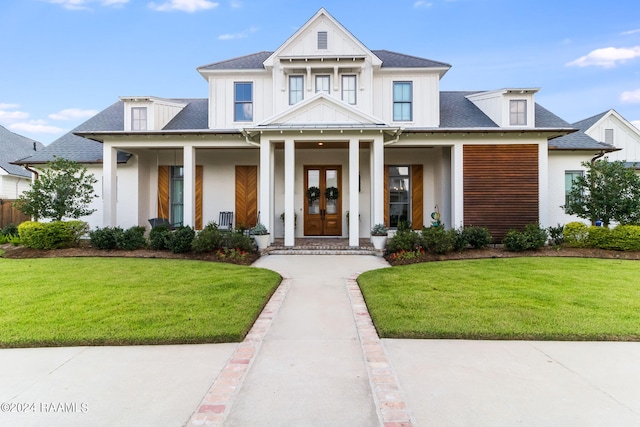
532 237
620 238
438 240
182 239
51 235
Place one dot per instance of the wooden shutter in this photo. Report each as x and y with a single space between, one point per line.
500 187
386 196
417 199
246 196
163 192
198 197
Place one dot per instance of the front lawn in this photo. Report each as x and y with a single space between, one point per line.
124 301
517 298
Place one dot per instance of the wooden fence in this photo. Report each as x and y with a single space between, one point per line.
9 214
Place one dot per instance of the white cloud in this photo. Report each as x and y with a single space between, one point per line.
636 123
35 126
631 96
607 57
235 4
242 35
422 4
73 114
8 106
184 5
10 116
84 4
630 32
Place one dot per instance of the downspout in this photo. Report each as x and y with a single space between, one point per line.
597 156
396 137
33 171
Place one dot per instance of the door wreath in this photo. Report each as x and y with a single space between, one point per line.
313 193
331 193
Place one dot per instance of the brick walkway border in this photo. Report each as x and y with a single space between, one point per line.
216 404
388 397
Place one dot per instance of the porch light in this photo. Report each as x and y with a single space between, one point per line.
320 144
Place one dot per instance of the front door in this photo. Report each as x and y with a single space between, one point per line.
323 201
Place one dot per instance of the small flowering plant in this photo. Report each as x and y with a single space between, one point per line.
379 230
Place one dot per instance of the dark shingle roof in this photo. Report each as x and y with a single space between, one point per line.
389 59
400 60
456 111
15 147
585 124
194 116
82 150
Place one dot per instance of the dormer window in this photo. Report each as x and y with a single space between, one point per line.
138 118
322 40
518 112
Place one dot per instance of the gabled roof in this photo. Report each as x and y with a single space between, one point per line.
456 111
247 62
587 124
15 147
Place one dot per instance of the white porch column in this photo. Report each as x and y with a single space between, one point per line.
189 165
264 196
289 189
543 184
354 195
457 186
377 187
109 185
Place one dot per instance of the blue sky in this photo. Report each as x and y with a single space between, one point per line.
65 60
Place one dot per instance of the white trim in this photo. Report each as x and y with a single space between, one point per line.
289 190
354 195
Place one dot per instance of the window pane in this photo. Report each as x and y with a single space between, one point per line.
349 89
402 101
518 112
399 195
296 84
176 195
243 102
243 92
322 84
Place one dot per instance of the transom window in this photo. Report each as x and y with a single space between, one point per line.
296 89
139 118
518 112
243 102
399 195
349 89
323 84
402 101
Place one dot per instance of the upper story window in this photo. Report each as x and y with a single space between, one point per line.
402 101
518 112
322 40
243 102
138 118
349 89
608 136
296 89
323 84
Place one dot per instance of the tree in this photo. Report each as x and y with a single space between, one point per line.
63 190
608 191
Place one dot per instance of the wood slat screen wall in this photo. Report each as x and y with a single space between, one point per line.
10 215
500 187
417 200
246 196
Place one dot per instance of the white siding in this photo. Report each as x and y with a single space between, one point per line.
12 186
425 100
559 162
623 137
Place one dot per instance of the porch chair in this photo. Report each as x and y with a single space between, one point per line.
225 220
155 222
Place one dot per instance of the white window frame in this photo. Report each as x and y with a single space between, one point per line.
139 120
243 102
518 115
296 94
349 90
323 78
403 102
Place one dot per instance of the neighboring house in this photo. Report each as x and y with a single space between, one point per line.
14 179
321 127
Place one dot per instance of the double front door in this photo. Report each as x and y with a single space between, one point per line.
323 201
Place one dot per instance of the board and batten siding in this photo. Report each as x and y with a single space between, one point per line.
501 187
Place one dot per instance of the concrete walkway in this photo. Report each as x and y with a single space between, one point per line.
313 359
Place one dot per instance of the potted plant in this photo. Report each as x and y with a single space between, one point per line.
379 236
261 235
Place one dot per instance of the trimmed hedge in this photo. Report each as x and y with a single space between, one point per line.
117 238
620 238
51 235
531 238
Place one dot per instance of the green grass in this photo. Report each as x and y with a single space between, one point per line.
124 301
517 298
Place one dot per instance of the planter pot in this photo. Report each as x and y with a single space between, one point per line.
262 241
379 242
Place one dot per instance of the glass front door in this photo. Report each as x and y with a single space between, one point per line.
323 201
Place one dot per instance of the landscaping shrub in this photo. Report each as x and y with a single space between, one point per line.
576 234
181 239
597 237
239 240
438 240
159 237
556 234
131 238
51 235
104 238
460 240
405 240
9 229
531 238
477 237
208 239
625 238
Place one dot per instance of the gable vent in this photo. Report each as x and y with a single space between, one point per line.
608 136
322 39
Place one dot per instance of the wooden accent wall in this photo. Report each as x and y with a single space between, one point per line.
417 199
500 187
